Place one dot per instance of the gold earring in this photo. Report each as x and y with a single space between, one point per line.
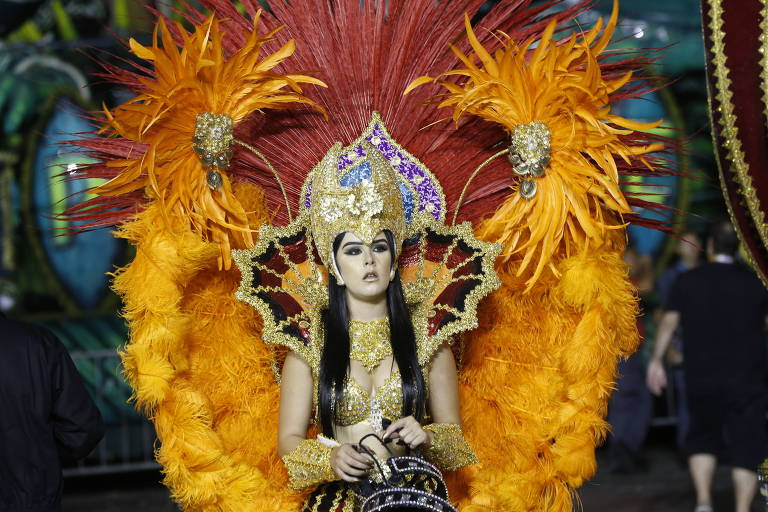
336 271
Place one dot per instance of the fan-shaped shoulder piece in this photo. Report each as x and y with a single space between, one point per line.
446 271
282 280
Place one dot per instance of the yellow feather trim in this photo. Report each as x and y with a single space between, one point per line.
188 80
560 84
536 379
199 368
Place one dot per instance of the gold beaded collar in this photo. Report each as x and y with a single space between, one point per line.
369 342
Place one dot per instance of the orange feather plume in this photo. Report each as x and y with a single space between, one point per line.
559 83
191 78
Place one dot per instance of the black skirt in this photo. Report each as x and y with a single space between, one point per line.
334 496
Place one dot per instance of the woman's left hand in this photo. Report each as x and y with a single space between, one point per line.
409 431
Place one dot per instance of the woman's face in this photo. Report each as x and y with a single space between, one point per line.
365 268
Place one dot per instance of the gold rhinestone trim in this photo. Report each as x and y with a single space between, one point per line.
738 164
306 285
763 37
449 450
732 215
309 464
369 342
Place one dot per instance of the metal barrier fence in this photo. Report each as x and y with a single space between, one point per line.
129 438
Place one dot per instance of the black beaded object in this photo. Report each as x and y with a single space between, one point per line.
407 484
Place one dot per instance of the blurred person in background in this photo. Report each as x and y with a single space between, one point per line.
721 306
46 417
689 257
629 408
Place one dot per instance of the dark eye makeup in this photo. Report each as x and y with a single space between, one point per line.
353 248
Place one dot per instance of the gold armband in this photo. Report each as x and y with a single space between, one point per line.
449 450
309 464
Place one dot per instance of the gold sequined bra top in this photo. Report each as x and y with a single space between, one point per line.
386 401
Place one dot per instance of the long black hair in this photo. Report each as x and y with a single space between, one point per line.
335 360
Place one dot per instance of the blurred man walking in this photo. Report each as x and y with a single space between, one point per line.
722 308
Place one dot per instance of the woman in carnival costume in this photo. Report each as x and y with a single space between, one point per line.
370 353
366 303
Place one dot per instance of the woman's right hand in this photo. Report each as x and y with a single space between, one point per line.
348 463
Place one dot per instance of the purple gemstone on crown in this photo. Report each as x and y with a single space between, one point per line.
307 200
407 168
345 161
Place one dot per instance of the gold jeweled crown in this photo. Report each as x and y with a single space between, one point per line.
363 198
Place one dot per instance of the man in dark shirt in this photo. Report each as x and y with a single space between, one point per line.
45 414
722 308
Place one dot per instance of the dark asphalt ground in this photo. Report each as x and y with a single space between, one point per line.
665 487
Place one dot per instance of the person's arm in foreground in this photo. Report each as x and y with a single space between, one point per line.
77 422
656 376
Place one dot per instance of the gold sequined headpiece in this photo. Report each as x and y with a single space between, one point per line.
362 197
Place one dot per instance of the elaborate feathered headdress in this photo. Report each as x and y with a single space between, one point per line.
536 373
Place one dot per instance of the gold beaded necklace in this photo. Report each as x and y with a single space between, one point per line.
369 342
